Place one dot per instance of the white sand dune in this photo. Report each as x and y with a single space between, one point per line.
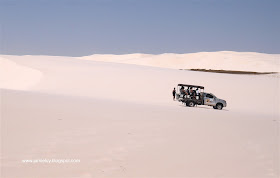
120 120
225 60
16 76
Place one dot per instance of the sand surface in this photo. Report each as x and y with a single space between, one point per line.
120 120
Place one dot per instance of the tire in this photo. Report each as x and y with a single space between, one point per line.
219 106
191 104
214 107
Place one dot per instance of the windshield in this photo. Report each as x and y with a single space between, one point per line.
213 95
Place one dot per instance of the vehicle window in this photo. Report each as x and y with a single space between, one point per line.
209 96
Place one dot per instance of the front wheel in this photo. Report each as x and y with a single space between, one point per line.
219 106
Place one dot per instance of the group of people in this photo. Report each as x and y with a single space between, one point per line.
190 91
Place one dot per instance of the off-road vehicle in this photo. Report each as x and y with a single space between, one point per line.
193 95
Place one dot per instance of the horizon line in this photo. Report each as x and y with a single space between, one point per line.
139 53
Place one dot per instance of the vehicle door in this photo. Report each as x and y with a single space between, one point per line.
209 100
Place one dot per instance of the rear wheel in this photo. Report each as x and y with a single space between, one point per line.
191 104
219 106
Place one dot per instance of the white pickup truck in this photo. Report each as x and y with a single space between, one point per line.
193 95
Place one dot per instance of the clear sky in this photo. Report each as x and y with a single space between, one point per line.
85 27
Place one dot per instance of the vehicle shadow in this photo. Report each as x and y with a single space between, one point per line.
199 107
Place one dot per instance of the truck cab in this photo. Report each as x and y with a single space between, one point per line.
211 100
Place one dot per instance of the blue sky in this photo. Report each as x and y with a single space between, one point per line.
84 27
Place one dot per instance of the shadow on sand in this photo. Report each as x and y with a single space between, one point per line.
200 107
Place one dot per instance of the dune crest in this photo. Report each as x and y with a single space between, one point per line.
221 60
15 76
